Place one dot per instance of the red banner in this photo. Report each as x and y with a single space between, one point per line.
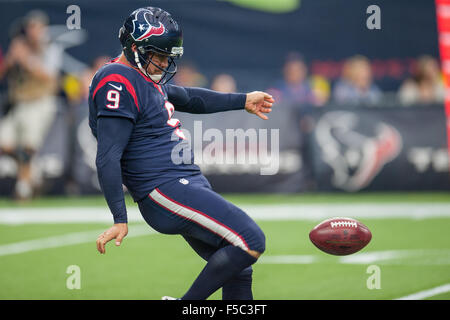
443 25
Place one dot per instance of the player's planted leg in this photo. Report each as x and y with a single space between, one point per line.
239 287
222 266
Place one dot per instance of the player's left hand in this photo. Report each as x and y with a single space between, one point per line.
258 103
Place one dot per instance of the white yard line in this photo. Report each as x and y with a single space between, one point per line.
427 293
308 212
427 257
416 257
289 259
66 240
317 212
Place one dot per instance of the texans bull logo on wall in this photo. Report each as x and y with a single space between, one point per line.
356 150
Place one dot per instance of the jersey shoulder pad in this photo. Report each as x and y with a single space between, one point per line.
113 90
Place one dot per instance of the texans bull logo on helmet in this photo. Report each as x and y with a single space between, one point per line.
143 30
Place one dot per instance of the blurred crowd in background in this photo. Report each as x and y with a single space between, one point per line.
32 77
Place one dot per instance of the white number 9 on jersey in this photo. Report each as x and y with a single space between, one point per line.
114 97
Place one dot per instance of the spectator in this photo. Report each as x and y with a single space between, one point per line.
356 87
294 87
426 86
224 83
188 76
31 65
321 89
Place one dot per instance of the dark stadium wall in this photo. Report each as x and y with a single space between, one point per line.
251 44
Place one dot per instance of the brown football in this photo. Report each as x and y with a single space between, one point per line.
340 236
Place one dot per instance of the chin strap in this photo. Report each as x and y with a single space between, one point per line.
138 62
155 77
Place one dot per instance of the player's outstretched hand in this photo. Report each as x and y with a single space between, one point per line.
118 231
258 103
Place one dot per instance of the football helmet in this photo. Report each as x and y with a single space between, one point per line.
153 31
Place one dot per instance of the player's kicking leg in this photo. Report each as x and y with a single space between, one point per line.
195 211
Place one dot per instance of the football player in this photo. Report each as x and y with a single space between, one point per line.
131 110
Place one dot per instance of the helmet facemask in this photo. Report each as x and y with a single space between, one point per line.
144 56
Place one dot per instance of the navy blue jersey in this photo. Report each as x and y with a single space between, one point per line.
119 91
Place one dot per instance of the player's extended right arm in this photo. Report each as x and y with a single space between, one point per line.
113 134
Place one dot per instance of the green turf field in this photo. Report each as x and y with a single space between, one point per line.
413 255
